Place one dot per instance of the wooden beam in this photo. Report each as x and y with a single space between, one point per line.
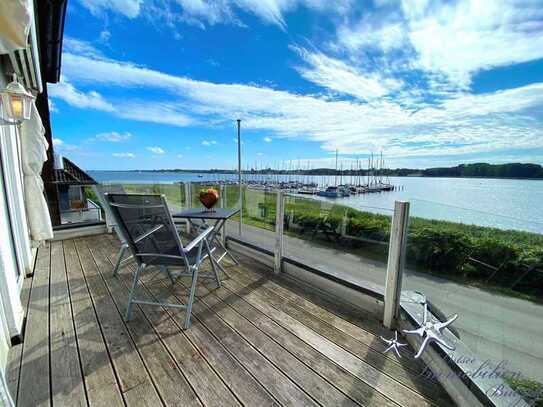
396 260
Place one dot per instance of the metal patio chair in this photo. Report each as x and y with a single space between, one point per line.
147 225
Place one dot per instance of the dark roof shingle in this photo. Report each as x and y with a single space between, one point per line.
72 175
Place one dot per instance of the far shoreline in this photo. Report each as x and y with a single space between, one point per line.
226 172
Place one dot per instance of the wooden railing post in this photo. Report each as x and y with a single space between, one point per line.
279 224
396 261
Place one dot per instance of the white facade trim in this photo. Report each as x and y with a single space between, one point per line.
10 150
11 264
5 398
15 247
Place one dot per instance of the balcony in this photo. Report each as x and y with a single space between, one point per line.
261 339
318 273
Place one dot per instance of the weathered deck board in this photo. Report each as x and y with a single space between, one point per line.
14 356
278 384
172 385
252 342
367 373
327 392
365 351
323 314
313 384
197 354
34 386
326 368
66 379
100 380
136 385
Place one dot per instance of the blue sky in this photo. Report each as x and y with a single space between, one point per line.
152 84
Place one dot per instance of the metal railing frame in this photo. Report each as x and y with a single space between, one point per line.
188 201
279 229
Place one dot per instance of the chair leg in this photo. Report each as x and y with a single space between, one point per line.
119 259
133 291
168 272
191 296
213 265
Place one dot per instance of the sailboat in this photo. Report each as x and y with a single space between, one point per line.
334 191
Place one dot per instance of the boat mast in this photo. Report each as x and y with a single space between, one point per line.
335 178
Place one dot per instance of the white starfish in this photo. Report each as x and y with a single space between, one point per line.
431 331
393 344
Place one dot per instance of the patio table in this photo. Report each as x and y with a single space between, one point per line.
217 218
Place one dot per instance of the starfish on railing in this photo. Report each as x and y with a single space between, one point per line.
394 344
431 331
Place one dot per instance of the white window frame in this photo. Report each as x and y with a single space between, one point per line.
10 151
16 251
5 397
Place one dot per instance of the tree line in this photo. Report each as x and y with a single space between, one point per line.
484 170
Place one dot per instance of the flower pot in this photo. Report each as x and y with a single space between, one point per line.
209 197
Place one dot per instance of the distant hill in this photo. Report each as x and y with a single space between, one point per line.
482 170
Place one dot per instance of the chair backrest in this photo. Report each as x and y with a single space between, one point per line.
147 225
101 190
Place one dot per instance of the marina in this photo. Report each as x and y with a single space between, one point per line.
500 203
296 179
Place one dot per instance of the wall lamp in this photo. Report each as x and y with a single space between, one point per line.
17 103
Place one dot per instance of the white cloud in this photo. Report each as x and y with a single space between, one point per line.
80 47
209 143
105 35
152 112
211 12
61 146
84 100
447 41
266 139
459 124
128 8
113 136
338 76
462 38
52 106
272 11
124 155
155 112
366 34
155 150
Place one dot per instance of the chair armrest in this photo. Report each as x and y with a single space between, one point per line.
198 239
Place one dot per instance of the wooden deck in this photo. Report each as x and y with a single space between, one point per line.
259 340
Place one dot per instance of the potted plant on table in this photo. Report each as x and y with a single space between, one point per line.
209 197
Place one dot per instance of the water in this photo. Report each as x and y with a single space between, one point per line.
501 203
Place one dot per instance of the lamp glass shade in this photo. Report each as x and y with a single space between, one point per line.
17 102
